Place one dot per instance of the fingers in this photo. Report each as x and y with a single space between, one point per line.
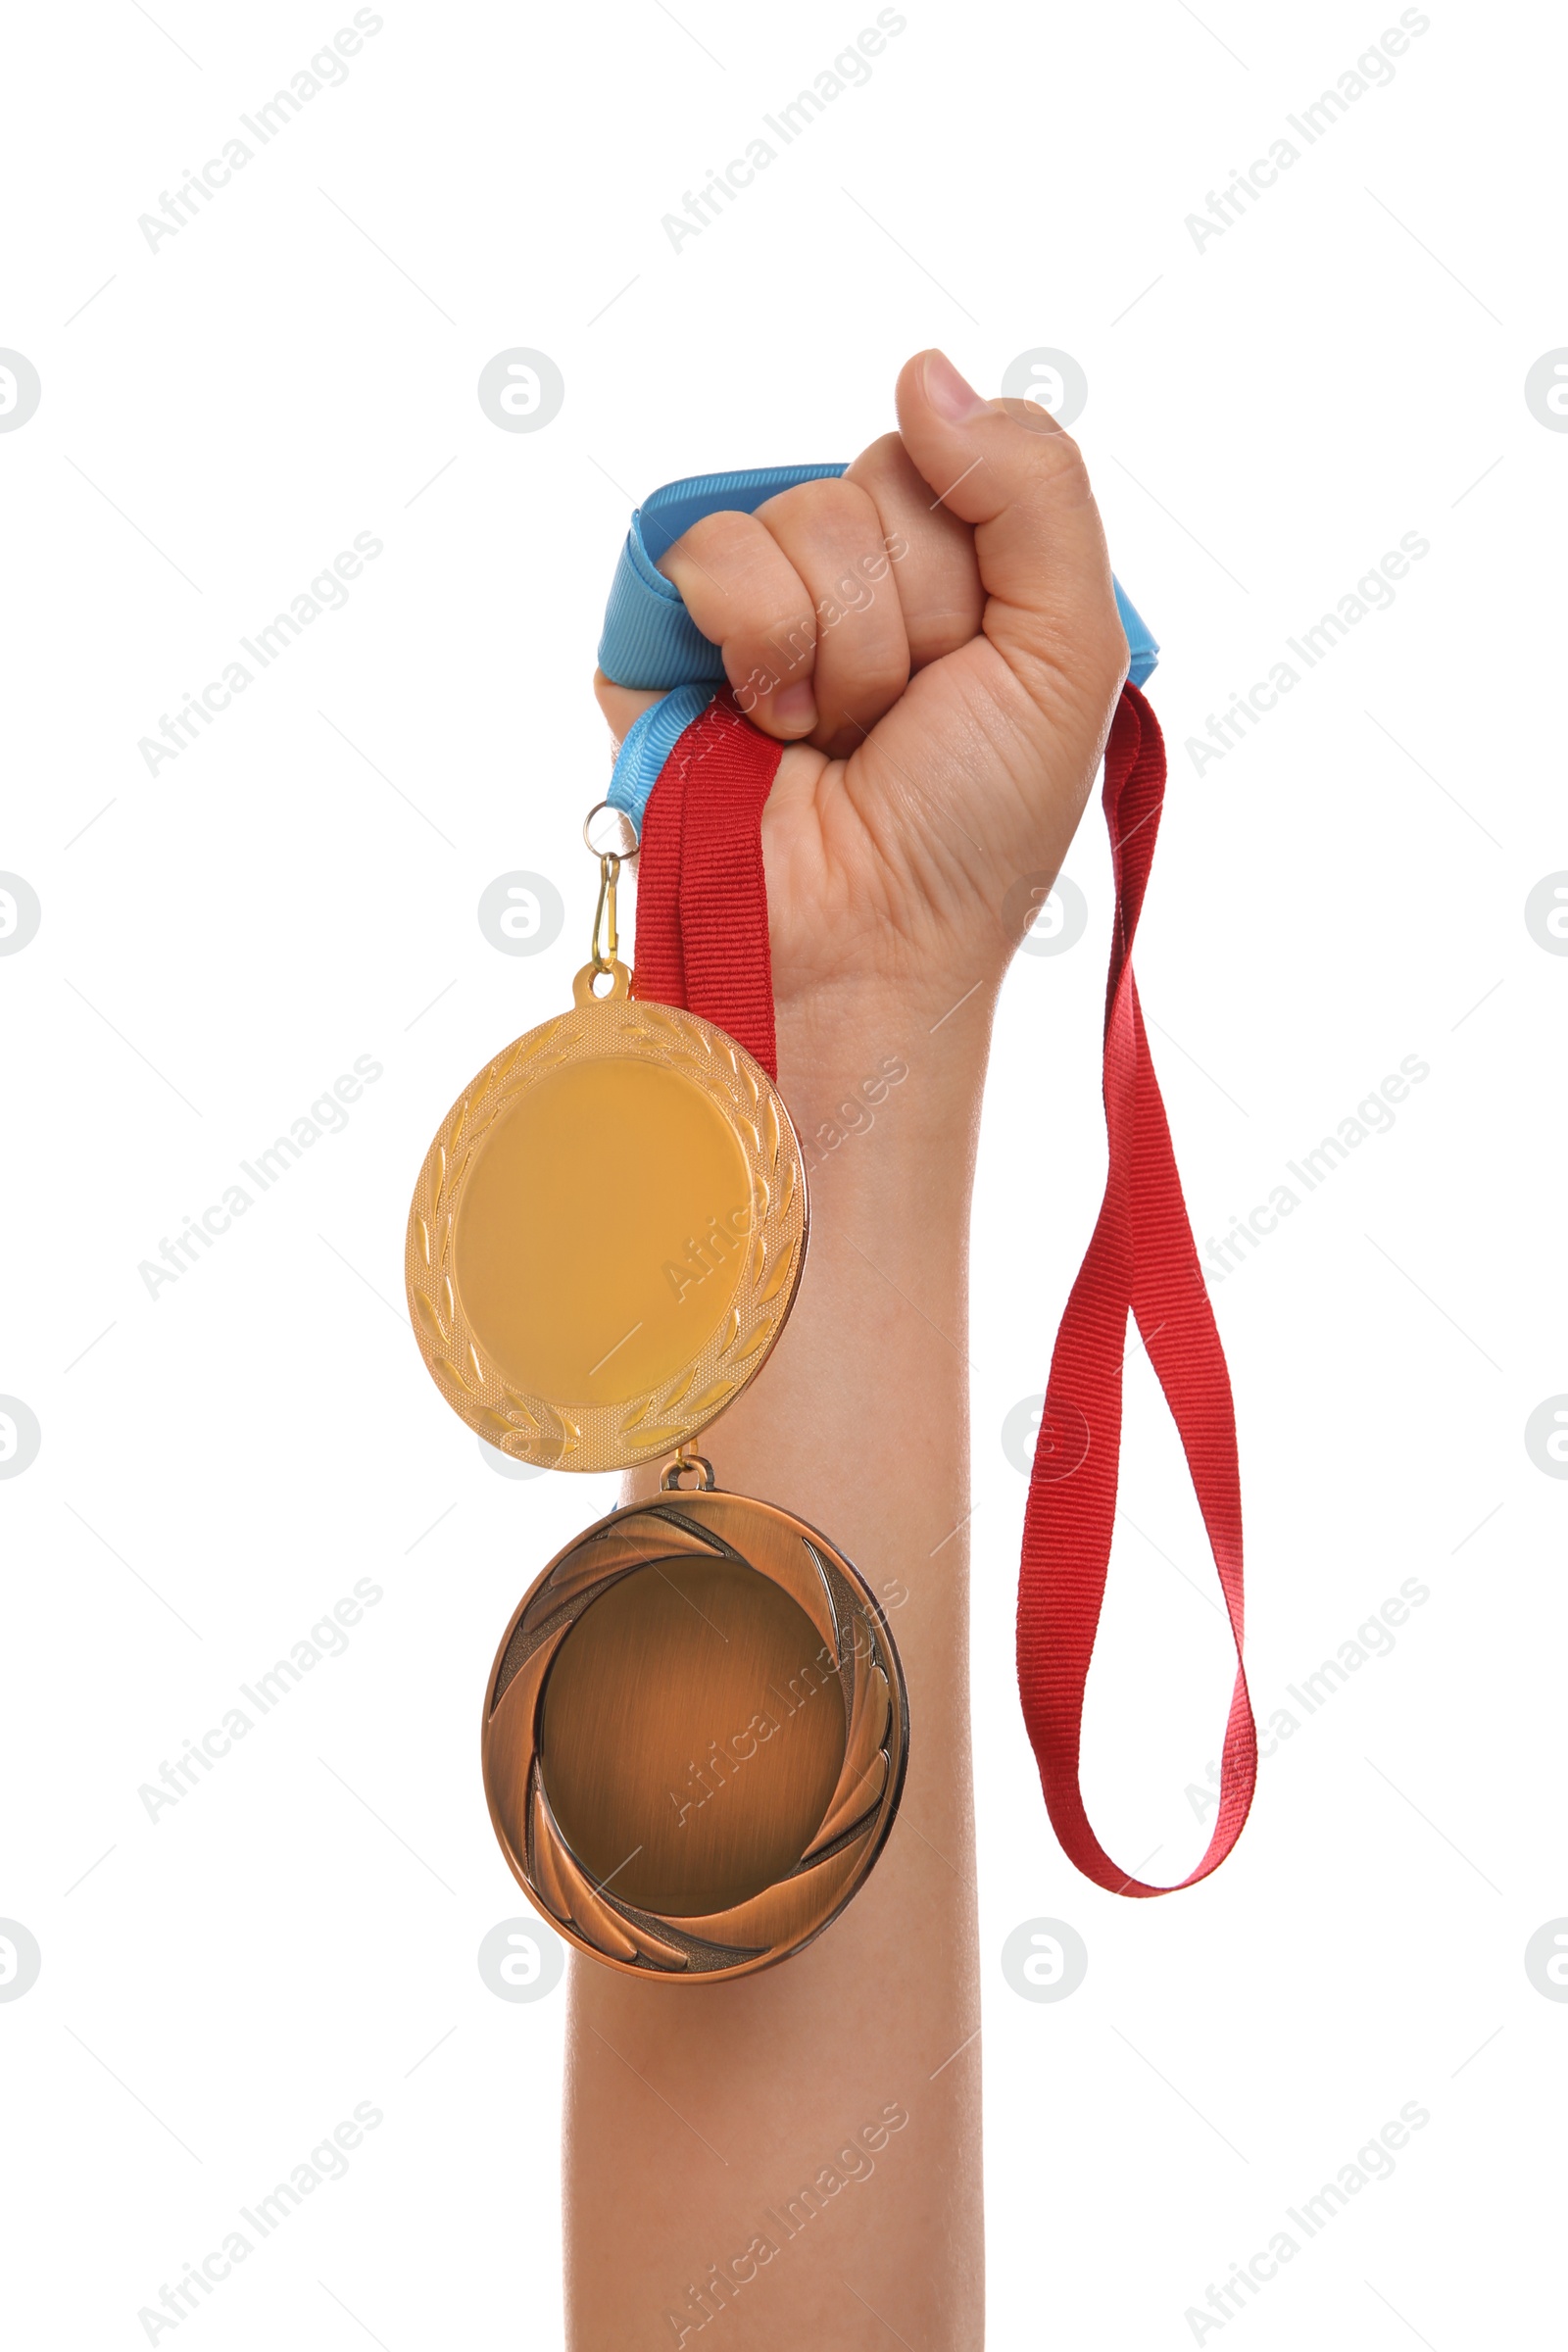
938 577
1007 468
833 535
800 598
743 593
973 528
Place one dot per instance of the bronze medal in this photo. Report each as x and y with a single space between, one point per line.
695 1736
696 1729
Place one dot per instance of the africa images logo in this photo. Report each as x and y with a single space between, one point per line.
327 69
327 1115
851 70
1373 70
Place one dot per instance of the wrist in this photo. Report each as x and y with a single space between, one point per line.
905 1066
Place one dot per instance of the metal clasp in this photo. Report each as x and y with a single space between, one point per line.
603 958
612 837
688 1459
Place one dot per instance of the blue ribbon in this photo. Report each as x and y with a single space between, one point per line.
650 640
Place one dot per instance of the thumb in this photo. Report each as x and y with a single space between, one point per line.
1006 467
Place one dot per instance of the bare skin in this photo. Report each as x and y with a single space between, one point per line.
936 640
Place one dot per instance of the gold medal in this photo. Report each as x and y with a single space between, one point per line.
607 1231
695 1736
695 1728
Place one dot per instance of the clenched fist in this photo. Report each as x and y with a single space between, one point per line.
935 638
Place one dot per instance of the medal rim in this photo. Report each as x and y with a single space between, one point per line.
896 1743
635 1432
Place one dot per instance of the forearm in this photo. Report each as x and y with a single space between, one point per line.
695 2113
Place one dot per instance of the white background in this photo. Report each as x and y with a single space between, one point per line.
1266 416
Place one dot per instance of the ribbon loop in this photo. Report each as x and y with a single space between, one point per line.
703 944
1141 1260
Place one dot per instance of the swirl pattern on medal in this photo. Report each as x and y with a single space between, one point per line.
561 1433
583 1894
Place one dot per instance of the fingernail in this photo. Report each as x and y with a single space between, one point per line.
795 709
947 391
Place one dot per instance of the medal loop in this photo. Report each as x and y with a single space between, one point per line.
584 992
685 1460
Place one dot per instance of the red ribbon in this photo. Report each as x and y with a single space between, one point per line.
1141 1257
702 943
701 899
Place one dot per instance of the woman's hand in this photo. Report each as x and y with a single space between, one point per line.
936 640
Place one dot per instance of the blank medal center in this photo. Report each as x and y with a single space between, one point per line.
691 1736
602 1231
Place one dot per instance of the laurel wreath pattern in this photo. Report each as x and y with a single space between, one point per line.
532 1428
